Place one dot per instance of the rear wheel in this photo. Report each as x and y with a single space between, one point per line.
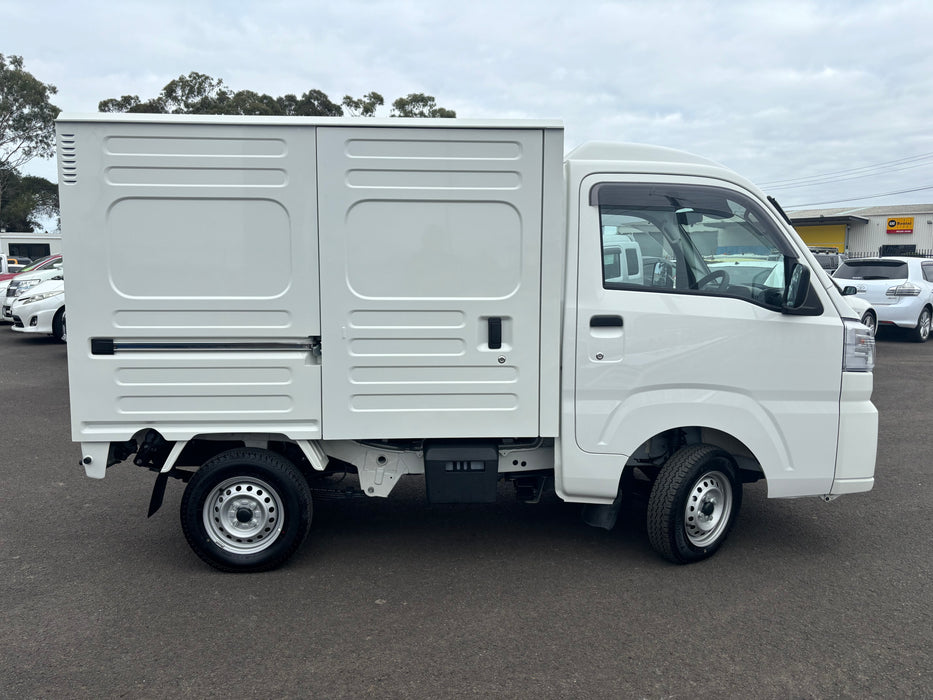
868 319
921 331
246 510
693 504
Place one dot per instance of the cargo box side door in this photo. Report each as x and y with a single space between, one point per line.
430 281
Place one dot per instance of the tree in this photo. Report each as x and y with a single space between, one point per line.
365 106
197 93
27 119
25 200
417 104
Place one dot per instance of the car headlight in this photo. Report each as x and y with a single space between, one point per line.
41 296
23 286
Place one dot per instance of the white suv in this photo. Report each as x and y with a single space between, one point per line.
899 289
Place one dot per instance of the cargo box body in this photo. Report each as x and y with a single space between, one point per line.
318 280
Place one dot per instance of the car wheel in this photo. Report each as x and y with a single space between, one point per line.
922 330
246 510
693 504
868 319
59 328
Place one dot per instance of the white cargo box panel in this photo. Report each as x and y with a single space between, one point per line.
196 295
193 250
431 242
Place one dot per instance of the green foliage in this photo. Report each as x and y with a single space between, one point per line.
24 200
27 124
364 106
197 93
417 104
27 116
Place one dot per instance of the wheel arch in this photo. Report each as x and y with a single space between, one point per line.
744 448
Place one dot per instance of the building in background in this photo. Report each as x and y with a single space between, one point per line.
30 245
897 229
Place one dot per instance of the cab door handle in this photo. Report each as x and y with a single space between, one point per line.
606 322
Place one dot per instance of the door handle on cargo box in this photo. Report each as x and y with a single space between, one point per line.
606 322
494 325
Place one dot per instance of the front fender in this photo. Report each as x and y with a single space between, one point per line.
793 442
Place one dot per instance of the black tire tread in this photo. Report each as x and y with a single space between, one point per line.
284 470
664 495
57 329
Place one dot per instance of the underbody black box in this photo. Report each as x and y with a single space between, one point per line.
461 472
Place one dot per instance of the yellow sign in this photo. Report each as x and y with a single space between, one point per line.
901 224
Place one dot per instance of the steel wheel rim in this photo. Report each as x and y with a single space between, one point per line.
708 507
243 515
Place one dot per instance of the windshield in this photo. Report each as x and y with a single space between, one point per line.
37 264
872 270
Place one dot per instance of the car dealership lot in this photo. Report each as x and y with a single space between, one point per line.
393 598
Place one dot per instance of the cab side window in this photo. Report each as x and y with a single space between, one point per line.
690 239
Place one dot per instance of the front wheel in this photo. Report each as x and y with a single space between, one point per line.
59 326
693 504
246 510
922 330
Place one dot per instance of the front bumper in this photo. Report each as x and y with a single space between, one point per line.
36 317
857 448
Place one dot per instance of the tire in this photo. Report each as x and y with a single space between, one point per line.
246 510
869 319
695 479
921 332
59 328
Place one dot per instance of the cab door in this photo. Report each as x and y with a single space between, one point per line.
699 339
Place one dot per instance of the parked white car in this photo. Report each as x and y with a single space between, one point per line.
24 282
899 289
42 310
865 311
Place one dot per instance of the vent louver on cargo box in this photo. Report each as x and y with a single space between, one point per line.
68 158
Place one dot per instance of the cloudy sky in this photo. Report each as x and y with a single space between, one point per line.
822 102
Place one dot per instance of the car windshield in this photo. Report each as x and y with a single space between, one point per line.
750 271
37 264
872 270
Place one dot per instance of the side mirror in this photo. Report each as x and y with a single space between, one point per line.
849 290
796 290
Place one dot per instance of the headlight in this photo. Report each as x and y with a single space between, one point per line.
23 286
40 297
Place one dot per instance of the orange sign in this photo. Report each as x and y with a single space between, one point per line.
901 224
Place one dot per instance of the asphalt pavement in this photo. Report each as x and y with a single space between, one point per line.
394 598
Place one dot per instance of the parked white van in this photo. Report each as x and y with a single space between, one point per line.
446 298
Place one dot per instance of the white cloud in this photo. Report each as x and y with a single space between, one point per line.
776 90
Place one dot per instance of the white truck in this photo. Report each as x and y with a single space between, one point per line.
258 303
